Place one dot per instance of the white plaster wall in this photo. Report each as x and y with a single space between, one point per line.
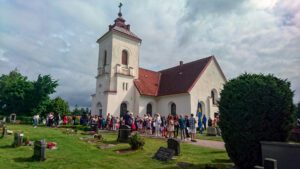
210 79
143 101
182 102
114 43
127 96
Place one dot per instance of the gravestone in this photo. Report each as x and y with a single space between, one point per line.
39 151
18 139
174 144
124 133
270 163
4 131
12 118
164 154
211 131
258 167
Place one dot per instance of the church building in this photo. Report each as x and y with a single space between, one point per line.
122 85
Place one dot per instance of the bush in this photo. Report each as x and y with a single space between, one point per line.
254 108
136 142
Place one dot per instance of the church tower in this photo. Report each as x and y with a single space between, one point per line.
118 66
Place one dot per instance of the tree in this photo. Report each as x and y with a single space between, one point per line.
23 97
298 110
14 90
254 108
58 105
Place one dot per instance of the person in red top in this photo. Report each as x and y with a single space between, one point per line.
65 120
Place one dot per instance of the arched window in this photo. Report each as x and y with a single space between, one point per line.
124 57
173 109
105 58
214 96
149 109
123 109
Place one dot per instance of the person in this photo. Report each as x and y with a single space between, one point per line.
163 126
114 119
35 120
74 119
50 119
157 123
176 126
204 119
170 126
192 123
182 123
65 120
187 125
148 124
209 122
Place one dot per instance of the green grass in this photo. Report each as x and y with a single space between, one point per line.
75 153
204 136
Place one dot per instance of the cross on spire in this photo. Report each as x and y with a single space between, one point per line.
120 7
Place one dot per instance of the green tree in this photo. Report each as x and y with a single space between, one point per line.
298 110
58 105
23 97
14 90
254 108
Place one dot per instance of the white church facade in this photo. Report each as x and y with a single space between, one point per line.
121 85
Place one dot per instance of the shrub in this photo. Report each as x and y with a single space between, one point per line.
254 108
136 142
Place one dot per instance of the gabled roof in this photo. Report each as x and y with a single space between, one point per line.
175 80
148 82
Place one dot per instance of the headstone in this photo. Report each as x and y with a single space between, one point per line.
18 139
164 154
39 153
211 131
4 131
270 163
258 167
12 118
124 133
174 144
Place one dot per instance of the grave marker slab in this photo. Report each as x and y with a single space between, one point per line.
39 151
124 133
18 139
164 154
175 145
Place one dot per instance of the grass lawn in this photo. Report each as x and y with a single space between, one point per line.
205 137
75 153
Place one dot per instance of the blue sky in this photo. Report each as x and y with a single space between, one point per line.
59 37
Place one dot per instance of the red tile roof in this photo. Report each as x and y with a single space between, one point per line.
175 80
148 82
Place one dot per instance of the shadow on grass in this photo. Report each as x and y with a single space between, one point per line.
185 165
221 161
216 152
7 146
24 159
110 141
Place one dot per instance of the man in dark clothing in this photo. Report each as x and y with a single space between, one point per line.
187 124
204 121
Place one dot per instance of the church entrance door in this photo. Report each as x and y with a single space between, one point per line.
123 109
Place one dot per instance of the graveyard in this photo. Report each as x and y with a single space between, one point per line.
73 152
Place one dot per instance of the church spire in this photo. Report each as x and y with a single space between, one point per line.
120 10
120 22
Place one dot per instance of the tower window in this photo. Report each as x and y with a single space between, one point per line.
124 57
105 58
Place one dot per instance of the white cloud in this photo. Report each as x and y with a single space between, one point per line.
58 37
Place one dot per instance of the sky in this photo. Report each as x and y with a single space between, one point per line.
58 37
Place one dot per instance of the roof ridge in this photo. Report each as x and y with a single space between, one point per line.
209 57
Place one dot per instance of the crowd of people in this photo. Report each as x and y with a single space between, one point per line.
172 126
